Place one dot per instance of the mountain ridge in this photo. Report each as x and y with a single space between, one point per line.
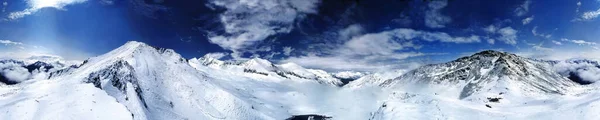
144 82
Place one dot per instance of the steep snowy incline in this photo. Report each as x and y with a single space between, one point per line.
374 79
156 83
486 73
487 85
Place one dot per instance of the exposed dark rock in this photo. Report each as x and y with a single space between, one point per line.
494 99
309 117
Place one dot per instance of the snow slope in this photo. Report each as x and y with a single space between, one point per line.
138 81
257 67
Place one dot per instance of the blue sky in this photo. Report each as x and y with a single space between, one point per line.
334 35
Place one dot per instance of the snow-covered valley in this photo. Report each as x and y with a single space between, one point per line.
138 81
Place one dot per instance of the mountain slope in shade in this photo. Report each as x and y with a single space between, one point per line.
138 81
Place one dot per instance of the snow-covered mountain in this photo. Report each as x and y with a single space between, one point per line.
138 81
487 72
263 68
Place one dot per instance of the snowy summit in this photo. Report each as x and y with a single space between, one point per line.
138 81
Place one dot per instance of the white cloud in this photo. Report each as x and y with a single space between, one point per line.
17 50
541 48
490 29
527 20
580 42
250 21
35 5
433 17
556 42
341 63
578 6
523 8
563 54
4 5
491 41
583 42
216 55
586 71
377 51
508 35
589 15
9 42
14 73
444 37
350 31
287 50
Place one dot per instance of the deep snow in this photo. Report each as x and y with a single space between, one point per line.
138 81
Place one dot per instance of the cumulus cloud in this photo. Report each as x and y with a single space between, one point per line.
14 72
523 8
433 17
35 5
584 70
527 20
248 21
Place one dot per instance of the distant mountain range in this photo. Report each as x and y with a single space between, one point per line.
138 81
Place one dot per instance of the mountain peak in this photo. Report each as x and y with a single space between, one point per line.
491 53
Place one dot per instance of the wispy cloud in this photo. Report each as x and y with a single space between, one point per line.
4 5
247 22
589 15
378 51
580 42
287 50
578 6
535 33
556 42
523 8
528 20
35 5
433 17
506 34
9 42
